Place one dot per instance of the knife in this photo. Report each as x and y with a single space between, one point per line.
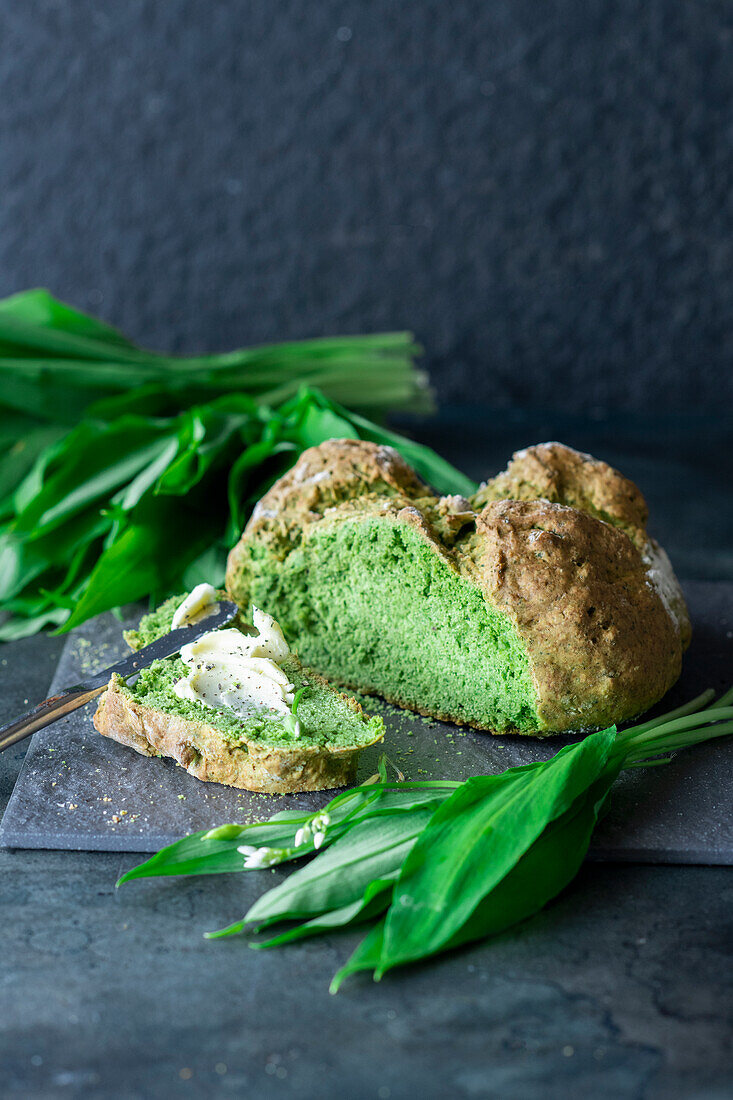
71 698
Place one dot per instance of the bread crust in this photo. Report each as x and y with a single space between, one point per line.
600 641
562 475
557 542
208 756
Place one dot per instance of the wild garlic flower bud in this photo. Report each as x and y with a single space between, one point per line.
256 859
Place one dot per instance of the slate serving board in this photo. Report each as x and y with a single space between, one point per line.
78 790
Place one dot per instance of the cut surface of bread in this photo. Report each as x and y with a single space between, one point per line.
538 606
259 753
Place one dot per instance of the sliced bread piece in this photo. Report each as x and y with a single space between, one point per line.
258 753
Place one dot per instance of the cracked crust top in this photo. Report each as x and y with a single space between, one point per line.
554 472
336 471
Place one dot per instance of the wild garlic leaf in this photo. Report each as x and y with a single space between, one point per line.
474 840
96 462
544 870
164 453
234 929
321 424
14 426
199 854
60 390
30 564
189 857
34 480
19 458
126 471
339 875
20 565
208 568
61 345
14 629
39 307
366 956
371 372
375 900
433 469
196 854
207 439
144 559
80 374
240 476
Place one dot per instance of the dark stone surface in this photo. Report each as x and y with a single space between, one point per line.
80 791
621 989
541 192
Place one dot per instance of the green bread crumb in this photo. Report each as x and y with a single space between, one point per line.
370 603
153 625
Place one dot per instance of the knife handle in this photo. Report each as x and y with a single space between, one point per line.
46 712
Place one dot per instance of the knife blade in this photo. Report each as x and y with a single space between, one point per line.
71 698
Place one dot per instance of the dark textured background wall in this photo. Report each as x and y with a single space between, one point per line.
541 190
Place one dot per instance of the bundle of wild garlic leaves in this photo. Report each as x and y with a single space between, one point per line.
429 866
126 474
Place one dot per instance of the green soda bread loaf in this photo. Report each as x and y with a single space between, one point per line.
259 753
538 606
